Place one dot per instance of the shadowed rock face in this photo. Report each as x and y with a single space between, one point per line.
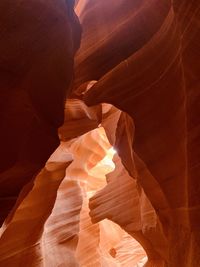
38 43
127 27
136 89
158 86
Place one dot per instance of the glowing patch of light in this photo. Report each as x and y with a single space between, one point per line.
113 151
105 166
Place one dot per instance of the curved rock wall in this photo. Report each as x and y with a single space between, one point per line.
38 42
127 167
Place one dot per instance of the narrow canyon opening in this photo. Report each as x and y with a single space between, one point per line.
100 241
99 133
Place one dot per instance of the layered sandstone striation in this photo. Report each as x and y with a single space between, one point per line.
122 188
38 43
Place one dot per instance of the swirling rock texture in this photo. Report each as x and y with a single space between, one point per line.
38 42
122 188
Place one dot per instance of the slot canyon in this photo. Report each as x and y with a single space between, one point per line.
100 133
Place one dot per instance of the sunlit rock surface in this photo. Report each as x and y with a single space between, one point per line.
122 188
68 238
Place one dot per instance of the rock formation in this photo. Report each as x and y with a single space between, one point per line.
38 42
122 188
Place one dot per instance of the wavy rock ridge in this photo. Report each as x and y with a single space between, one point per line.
122 188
